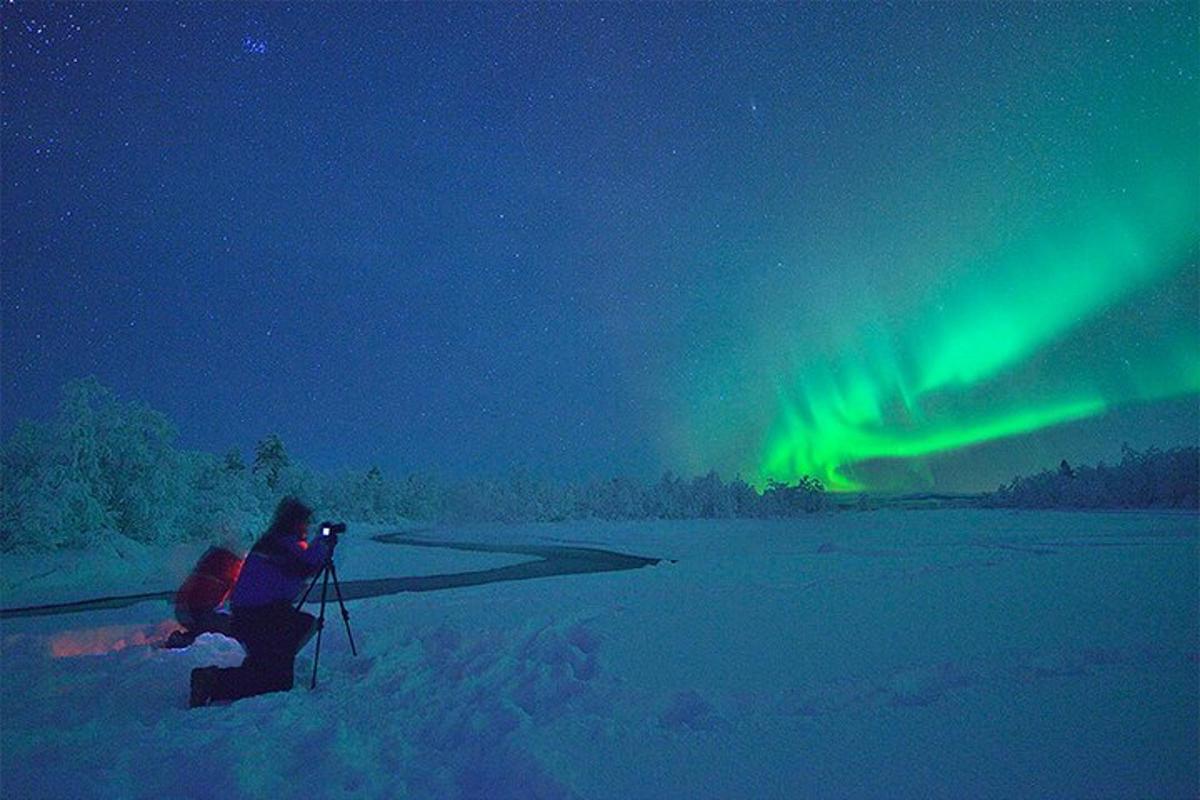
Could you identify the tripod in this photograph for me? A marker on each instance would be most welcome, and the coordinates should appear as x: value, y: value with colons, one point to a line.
x: 327, y: 571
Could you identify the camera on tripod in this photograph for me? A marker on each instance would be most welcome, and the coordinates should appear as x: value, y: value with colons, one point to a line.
x: 323, y: 576
x: 332, y: 528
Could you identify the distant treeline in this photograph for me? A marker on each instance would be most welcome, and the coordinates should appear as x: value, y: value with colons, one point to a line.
x: 1150, y: 479
x: 105, y: 470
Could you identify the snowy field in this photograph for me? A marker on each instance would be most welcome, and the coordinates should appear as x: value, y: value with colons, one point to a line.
x: 891, y: 654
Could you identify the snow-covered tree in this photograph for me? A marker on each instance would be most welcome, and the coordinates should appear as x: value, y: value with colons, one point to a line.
x: 102, y: 468
x: 234, y: 462
x: 222, y: 505
x: 1150, y: 479
x: 270, y: 459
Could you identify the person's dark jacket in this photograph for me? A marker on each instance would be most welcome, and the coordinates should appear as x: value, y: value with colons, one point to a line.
x: 276, y: 569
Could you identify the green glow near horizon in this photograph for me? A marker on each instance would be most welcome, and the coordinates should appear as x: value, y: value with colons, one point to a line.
x: 944, y: 381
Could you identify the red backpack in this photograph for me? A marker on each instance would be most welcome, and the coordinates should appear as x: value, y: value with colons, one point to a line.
x: 207, y: 587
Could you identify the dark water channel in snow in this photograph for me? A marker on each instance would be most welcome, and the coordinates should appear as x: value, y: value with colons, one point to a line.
x: 548, y: 561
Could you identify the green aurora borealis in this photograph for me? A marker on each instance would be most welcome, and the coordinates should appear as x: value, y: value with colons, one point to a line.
x: 1004, y: 244
x: 876, y: 405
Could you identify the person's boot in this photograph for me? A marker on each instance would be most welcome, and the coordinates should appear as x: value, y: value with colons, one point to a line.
x: 203, y: 681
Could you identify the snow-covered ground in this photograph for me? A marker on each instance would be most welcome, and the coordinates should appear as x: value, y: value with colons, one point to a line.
x: 885, y: 654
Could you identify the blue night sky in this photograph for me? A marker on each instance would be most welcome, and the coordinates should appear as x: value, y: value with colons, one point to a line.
x: 602, y: 239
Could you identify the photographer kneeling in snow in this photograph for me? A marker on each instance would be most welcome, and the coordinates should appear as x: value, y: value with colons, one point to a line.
x: 264, y: 621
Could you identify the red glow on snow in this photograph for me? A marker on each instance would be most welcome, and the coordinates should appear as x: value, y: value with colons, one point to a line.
x: 107, y: 639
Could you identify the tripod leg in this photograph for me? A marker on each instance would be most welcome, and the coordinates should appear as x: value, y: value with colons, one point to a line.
x: 320, y: 625
x: 337, y: 588
x: 304, y: 597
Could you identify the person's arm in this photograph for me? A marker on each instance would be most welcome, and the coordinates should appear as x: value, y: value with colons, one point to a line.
x: 316, y: 553
x: 293, y: 558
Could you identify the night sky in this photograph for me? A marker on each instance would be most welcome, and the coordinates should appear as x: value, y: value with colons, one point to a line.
x: 893, y: 246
